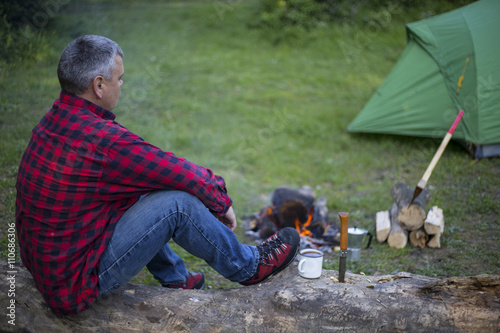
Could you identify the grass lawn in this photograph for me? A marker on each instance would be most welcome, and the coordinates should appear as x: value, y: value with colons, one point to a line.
x: 200, y: 83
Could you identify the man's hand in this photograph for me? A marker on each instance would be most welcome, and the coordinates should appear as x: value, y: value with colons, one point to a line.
x: 229, y: 219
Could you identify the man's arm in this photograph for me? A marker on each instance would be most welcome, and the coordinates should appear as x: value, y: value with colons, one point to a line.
x: 136, y: 167
x: 229, y: 219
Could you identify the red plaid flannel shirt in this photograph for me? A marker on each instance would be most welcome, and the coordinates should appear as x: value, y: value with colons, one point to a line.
x: 80, y: 172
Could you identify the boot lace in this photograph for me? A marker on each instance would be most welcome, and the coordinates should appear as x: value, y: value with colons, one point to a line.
x: 271, y: 248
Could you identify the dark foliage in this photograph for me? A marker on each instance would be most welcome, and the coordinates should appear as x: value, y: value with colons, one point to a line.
x: 23, y: 24
x: 282, y: 19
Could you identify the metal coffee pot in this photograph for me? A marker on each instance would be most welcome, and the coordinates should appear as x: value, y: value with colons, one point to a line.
x: 355, y: 243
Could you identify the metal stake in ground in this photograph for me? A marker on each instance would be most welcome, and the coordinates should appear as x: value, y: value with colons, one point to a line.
x: 344, y: 226
x: 421, y: 184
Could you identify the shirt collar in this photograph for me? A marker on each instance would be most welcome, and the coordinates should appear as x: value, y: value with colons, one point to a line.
x: 71, y: 99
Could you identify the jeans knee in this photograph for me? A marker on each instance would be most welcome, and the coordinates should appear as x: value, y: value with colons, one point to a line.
x: 184, y: 201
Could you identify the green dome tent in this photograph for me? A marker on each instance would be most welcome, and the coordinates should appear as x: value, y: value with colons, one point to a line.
x: 451, y: 63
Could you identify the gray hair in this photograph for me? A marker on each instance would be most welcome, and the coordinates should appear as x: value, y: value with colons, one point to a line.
x: 85, y: 58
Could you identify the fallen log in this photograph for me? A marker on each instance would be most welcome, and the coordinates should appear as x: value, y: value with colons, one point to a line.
x: 284, y: 303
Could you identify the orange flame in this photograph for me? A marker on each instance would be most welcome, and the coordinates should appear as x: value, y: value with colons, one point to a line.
x: 302, y: 228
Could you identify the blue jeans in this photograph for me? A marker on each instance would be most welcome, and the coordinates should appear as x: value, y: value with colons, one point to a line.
x: 141, y: 239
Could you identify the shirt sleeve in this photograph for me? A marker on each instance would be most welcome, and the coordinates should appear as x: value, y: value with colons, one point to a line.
x: 135, y: 167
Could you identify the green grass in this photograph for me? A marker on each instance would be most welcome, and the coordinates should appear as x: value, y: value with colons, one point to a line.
x: 200, y: 83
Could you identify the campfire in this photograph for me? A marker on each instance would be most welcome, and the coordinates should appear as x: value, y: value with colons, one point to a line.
x: 299, y: 209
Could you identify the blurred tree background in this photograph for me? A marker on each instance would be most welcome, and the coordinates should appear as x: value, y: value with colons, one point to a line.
x: 285, y: 19
x: 24, y: 24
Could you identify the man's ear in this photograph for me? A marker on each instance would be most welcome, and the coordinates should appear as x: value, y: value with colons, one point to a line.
x: 98, y: 86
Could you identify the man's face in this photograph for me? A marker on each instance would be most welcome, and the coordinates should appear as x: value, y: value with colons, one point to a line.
x: 112, y: 87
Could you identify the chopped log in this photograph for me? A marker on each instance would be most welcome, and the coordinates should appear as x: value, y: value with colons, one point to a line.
x: 435, y: 241
x: 285, y: 303
x: 382, y: 225
x: 402, y: 195
x: 411, y: 217
x: 434, y: 226
x: 434, y: 223
x: 419, y: 237
x: 398, y: 237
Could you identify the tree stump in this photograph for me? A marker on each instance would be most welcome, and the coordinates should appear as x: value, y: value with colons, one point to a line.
x: 284, y: 303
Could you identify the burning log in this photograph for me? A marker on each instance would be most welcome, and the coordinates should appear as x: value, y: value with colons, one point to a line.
x: 299, y: 209
x: 283, y: 194
x: 295, y: 208
x: 295, y: 214
x: 266, y: 223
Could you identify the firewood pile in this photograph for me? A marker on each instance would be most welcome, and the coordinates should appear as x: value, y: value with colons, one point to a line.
x: 299, y: 209
x: 413, y: 222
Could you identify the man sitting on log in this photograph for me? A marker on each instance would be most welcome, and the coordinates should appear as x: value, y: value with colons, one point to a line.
x: 96, y: 203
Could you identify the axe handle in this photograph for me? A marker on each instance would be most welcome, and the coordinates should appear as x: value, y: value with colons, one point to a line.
x: 440, y: 151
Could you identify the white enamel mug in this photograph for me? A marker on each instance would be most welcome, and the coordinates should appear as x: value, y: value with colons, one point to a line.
x: 310, y: 263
